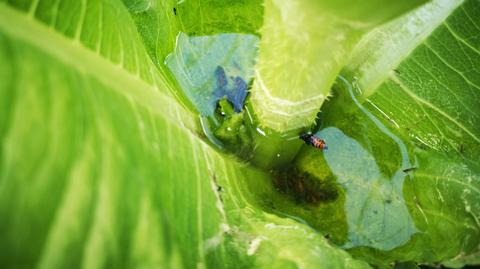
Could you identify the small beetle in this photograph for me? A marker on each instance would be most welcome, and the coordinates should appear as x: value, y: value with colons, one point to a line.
x: 313, y: 140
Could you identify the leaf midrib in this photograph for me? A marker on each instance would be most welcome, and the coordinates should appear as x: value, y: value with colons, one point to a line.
x: 75, y: 54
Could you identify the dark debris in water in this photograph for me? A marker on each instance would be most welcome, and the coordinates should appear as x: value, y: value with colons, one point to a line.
x: 304, y: 188
x: 219, y: 188
x: 410, y: 169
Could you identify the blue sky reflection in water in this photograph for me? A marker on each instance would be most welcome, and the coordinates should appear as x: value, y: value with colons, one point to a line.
x: 376, y: 212
x: 209, y: 68
x: 377, y: 215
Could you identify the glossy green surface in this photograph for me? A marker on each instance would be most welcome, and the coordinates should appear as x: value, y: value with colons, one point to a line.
x: 105, y: 164
x: 102, y: 168
x: 303, y: 47
x: 195, y: 60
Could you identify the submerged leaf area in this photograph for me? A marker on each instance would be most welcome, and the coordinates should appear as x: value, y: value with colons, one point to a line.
x: 130, y: 135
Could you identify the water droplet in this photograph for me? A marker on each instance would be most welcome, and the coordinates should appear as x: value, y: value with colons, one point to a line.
x: 261, y: 131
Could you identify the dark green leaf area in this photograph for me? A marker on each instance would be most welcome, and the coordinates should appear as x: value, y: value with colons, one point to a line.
x: 224, y: 109
x: 406, y: 265
x: 231, y: 129
x: 431, y: 104
x: 220, y: 16
x: 157, y: 25
x: 402, y: 201
x: 243, y: 137
x: 434, y: 93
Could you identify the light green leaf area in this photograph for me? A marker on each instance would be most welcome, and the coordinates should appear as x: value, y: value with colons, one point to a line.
x: 297, y: 39
x: 433, y: 94
x: 304, y: 46
x: 367, y: 12
x: 101, y: 168
x: 383, y: 48
x: 157, y: 26
x: 432, y: 98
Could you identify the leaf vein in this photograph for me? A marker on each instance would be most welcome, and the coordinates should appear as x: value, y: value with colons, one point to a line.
x: 433, y: 107
x: 450, y: 66
x: 459, y: 38
x: 81, y: 19
x: 470, y: 18
x: 100, y: 27
x: 445, y: 86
